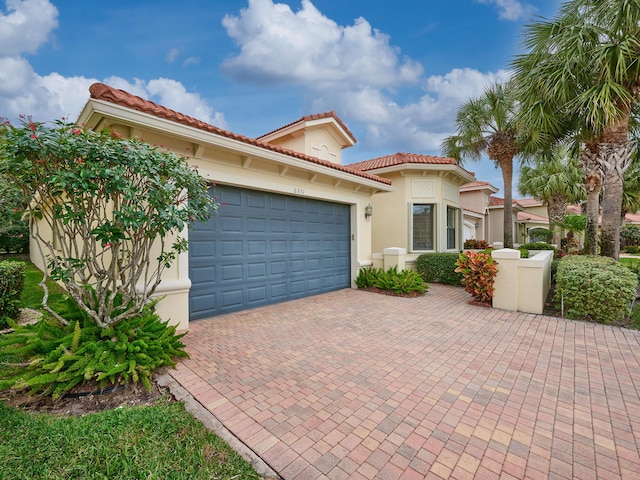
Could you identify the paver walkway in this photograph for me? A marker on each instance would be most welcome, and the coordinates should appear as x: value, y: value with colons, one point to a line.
x: 359, y: 385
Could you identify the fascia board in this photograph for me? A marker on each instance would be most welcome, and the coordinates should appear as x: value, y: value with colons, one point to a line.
x: 146, y: 120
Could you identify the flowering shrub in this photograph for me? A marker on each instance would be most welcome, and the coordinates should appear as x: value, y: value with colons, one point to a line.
x: 474, y: 244
x: 110, y: 202
x: 478, y: 271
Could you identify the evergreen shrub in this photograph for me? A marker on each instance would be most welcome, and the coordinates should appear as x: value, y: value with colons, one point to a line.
x: 596, y: 288
x: 439, y: 268
x: 11, y: 284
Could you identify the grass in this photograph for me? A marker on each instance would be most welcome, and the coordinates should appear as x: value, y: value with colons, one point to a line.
x: 631, y: 262
x: 155, y: 442
x: 159, y: 442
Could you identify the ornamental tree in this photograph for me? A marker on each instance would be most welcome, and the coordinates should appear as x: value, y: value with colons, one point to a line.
x: 106, y: 212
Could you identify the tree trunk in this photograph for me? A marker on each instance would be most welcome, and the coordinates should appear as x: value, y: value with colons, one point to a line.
x: 506, y: 165
x: 593, y: 185
x: 615, y: 159
x: 556, y: 211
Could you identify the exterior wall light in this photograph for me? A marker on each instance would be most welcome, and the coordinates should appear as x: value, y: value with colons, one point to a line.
x: 368, y: 212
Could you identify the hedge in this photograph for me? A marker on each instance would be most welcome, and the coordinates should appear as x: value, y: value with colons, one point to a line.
x: 596, y: 288
x: 14, y: 239
x: 11, y: 284
x: 439, y: 268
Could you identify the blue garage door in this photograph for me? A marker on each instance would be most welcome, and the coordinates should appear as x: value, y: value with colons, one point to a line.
x: 262, y: 248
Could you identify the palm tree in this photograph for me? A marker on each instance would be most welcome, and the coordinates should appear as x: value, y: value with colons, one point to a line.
x: 585, y: 64
x: 487, y: 125
x: 556, y: 180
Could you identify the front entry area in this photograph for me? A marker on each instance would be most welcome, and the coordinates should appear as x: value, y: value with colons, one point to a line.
x: 261, y: 248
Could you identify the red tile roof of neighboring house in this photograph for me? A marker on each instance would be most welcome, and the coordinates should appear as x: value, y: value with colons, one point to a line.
x: 530, y: 217
x: 401, y: 159
x: 529, y: 202
x: 632, y: 217
x: 477, y: 186
x: 521, y: 202
x: 100, y: 91
x: 316, y: 116
x: 575, y: 209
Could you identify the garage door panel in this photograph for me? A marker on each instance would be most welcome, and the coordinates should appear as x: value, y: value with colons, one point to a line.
x: 263, y: 248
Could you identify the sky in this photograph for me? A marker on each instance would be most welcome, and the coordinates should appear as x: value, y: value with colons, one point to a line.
x: 394, y: 72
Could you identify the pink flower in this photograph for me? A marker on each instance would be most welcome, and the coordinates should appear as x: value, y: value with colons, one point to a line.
x: 34, y: 136
x: 76, y: 131
x: 79, y: 160
x: 32, y: 126
x: 106, y: 245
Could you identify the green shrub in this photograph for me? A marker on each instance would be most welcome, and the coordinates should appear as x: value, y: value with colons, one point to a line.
x: 524, y: 253
x: 554, y: 269
x: 57, y: 358
x: 11, y: 284
x: 405, y: 282
x: 478, y: 270
x: 537, y: 246
x: 633, y: 249
x: 439, y: 268
x: 540, y: 235
x: 629, y: 236
x: 596, y: 288
x: 473, y: 244
x: 14, y: 239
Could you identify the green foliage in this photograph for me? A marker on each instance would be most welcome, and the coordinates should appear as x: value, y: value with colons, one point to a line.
x: 596, y: 288
x: 630, y: 236
x: 540, y: 234
x: 537, y: 246
x: 405, y: 282
x: 478, y: 270
x: 439, y: 268
x: 524, y: 252
x: 14, y: 239
x: 11, y: 285
x: 110, y: 202
x: 162, y: 441
x: 473, y: 244
x: 58, y: 358
x: 632, y: 249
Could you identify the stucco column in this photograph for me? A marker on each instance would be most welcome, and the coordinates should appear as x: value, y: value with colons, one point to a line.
x: 505, y: 284
x: 394, y: 257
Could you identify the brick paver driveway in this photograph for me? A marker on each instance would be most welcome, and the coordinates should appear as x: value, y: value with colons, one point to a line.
x: 353, y: 384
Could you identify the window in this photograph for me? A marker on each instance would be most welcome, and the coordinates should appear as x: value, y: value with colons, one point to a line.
x: 423, y: 219
x: 452, y: 227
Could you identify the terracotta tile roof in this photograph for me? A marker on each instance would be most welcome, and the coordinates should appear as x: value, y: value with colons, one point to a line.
x: 100, y: 91
x: 529, y: 202
x: 632, y: 218
x: 316, y: 116
x: 400, y: 159
x: 530, y: 217
x: 477, y: 186
x: 521, y: 202
x: 575, y: 209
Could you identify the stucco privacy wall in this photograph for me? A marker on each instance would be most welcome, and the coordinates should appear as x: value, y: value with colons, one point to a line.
x: 522, y: 284
x: 230, y: 159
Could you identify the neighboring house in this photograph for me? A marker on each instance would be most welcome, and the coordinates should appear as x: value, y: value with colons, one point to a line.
x: 474, y: 198
x: 486, y: 212
x: 423, y: 213
x: 292, y: 218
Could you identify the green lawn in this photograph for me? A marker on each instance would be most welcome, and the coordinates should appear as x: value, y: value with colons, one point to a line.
x: 155, y: 442
x: 159, y: 442
x: 631, y: 262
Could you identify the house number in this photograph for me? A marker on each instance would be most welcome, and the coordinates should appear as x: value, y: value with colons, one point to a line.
x: 298, y: 190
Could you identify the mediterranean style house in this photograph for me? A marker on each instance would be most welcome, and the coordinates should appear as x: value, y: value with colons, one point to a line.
x: 291, y: 220
x: 424, y: 212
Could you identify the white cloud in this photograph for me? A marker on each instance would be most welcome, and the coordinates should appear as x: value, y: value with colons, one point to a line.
x: 26, y: 25
x: 172, y: 54
x: 308, y: 48
x: 191, y: 61
x: 511, y: 9
x: 25, y: 92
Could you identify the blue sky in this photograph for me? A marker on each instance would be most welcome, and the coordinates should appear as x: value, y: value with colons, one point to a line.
x: 395, y: 72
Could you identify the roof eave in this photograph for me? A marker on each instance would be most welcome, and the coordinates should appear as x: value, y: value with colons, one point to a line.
x: 96, y: 110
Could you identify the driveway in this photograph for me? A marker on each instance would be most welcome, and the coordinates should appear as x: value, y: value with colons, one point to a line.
x: 352, y: 384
